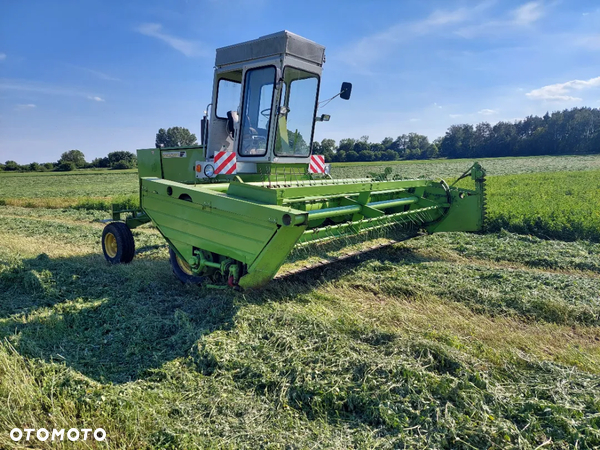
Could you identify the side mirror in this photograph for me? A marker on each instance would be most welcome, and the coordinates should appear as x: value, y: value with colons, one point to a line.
x: 346, y: 90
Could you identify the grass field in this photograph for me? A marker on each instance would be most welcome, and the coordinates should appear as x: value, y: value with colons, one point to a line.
x: 444, y: 341
x: 550, y: 197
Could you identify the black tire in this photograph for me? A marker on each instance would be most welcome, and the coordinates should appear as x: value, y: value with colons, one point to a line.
x: 118, y: 245
x: 180, y: 272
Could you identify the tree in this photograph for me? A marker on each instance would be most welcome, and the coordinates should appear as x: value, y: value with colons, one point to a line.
x: 458, y: 141
x: 101, y: 162
x: 122, y: 159
x: 366, y: 155
x: 11, y: 165
x: 316, y: 148
x: 329, y: 156
x: 346, y: 145
x: 432, y: 151
x: 389, y: 155
x: 122, y: 165
x: 328, y: 145
x: 75, y: 156
x: 361, y: 146
x: 417, y: 143
x: 399, y: 145
x: 161, y: 138
x: 175, y: 137
x: 504, y: 139
x: 387, y: 142
x: 482, y: 139
x: 340, y: 156
x: 66, y: 166
x: 376, y: 148
x: 351, y: 156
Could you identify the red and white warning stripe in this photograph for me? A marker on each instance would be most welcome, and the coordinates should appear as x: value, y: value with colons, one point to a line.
x: 225, y: 163
x: 317, y: 164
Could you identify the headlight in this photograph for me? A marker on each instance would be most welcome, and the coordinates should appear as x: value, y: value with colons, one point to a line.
x: 209, y: 170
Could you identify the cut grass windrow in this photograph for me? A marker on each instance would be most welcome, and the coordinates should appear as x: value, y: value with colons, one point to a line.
x: 446, y: 341
x: 452, y: 340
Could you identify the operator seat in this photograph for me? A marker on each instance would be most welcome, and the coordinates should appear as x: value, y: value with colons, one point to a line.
x: 231, y: 126
x: 232, y: 121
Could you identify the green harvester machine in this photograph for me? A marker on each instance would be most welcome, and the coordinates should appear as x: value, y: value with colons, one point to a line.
x: 233, y: 208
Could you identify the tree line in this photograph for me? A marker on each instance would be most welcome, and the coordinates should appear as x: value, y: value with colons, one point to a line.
x: 573, y: 131
x: 75, y: 159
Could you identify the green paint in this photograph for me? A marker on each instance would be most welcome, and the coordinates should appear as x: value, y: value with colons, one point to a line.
x: 257, y: 219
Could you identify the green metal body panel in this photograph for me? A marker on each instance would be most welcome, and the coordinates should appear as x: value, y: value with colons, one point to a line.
x: 174, y: 163
x: 256, y: 224
x: 468, y: 207
x: 149, y: 163
x: 224, y: 225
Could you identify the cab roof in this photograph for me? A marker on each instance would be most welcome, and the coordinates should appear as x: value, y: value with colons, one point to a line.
x: 281, y: 43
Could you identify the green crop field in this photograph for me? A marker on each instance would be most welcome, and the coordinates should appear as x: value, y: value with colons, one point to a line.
x: 451, y: 168
x: 546, y: 196
x: 462, y: 341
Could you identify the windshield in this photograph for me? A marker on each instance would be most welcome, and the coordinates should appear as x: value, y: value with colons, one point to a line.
x: 296, y: 113
x: 256, y: 110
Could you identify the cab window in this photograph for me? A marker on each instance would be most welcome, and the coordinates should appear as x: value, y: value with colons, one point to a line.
x: 256, y: 111
x: 296, y: 116
x: 228, y: 96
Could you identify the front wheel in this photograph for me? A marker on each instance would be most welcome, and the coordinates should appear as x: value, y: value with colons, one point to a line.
x: 117, y: 243
x: 182, y: 269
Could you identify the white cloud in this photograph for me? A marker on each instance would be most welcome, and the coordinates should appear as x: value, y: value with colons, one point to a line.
x: 487, y: 112
x: 437, y: 106
x: 96, y: 98
x: 442, y: 17
x: 187, y: 47
x: 375, y: 46
x: 454, y: 116
x: 518, y: 19
x: 96, y: 73
x: 24, y: 107
x: 562, y: 91
x: 414, y: 120
x: 41, y: 88
x: 2, y: 56
x: 592, y: 42
x: 528, y: 13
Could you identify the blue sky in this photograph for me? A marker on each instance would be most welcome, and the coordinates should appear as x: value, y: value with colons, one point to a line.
x: 101, y: 76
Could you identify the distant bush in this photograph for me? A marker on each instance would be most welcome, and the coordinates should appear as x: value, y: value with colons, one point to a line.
x: 122, y: 160
x: 11, y: 166
x: 101, y: 162
x: 66, y: 166
x: 123, y: 165
x: 74, y: 156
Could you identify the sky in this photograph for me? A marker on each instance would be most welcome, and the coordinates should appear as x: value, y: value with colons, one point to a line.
x: 102, y: 76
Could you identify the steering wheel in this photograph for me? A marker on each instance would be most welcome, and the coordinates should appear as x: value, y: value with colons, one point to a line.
x: 265, y: 112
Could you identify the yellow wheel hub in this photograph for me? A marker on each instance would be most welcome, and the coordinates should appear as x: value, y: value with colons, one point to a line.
x: 110, y: 245
x: 183, y: 265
